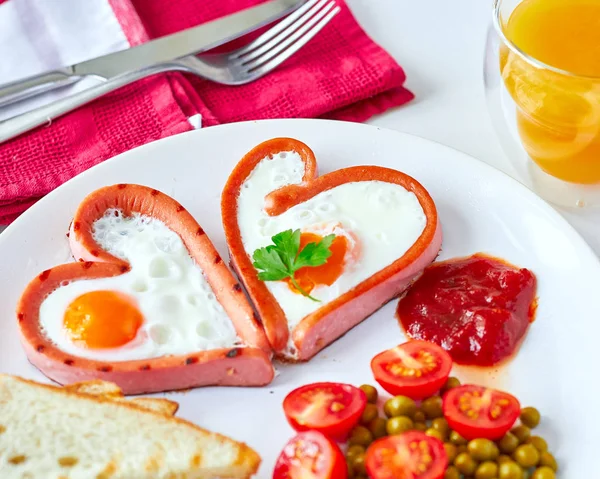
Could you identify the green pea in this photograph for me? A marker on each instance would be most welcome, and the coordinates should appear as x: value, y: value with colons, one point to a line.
x: 370, y: 392
x: 434, y: 433
x: 457, y: 439
x: 360, y: 435
x: 543, y: 473
x: 378, y: 427
x: 400, y: 406
x: 398, y: 425
x: 441, y: 425
x: 530, y: 417
x: 354, y: 451
x: 420, y: 426
x: 508, y: 443
x: 547, y: 460
x: 432, y: 407
x: 538, y: 442
x: 451, y: 383
x: 526, y: 455
x: 465, y: 464
x: 522, y: 433
x: 462, y: 448
x: 486, y: 470
x: 451, y: 451
x: 419, y: 416
x: 510, y: 470
x: 369, y: 414
x: 483, y: 449
x: 502, y: 458
x: 359, y: 465
x: 452, y: 473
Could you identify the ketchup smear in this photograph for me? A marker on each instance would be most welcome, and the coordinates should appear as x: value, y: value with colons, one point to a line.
x: 476, y: 308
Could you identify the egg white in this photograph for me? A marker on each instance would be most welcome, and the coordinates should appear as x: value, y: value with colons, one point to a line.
x: 384, y: 218
x: 181, y: 312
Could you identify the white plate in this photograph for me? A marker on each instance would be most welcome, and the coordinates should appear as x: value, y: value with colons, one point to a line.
x: 481, y: 210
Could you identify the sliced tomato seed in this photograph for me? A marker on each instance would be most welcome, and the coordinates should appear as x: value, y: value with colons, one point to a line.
x: 472, y: 402
x: 423, y: 363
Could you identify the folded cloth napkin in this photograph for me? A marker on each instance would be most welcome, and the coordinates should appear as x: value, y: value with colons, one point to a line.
x: 341, y: 74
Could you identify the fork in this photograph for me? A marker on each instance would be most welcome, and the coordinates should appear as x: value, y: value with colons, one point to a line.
x: 237, y: 67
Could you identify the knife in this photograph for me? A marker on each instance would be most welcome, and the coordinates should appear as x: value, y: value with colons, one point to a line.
x: 187, y: 42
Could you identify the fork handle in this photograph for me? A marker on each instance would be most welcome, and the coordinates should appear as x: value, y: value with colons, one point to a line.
x: 24, y: 122
x: 34, y: 85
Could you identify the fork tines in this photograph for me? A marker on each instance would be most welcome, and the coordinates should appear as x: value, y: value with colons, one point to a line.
x: 282, y: 41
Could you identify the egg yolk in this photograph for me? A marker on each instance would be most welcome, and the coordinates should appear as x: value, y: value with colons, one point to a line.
x: 326, y: 274
x: 102, y: 319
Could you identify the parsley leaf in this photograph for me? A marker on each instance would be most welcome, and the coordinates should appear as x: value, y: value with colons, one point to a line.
x: 288, y: 242
x: 268, y: 259
x: 283, y: 258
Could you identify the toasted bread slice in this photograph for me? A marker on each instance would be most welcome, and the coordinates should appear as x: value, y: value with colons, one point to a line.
x: 96, y: 387
x: 160, y: 406
x: 108, y: 390
x: 50, y: 432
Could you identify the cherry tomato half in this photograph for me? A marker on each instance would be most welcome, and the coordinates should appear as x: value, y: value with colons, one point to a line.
x: 311, y: 455
x: 475, y: 411
x: 417, y: 369
x: 331, y: 408
x: 412, y: 455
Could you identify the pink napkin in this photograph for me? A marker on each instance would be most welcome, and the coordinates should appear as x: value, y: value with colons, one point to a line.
x: 341, y: 74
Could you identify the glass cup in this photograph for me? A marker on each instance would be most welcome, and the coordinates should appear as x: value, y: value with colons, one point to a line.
x: 548, y: 120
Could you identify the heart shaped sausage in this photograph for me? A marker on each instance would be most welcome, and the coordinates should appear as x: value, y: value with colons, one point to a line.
x: 386, y: 231
x: 149, y: 305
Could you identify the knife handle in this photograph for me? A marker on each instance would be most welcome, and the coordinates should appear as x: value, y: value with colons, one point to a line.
x: 44, y: 115
x: 34, y: 85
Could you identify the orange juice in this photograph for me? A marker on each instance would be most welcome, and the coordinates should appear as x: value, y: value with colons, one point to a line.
x: 558, y: 114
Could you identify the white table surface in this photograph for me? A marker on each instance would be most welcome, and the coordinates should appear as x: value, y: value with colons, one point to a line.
x: 440, y: 45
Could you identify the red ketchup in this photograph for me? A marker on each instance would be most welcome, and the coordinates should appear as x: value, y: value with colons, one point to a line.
x: 476, y: 308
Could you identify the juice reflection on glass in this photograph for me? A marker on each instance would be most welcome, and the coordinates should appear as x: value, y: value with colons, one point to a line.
x: 558, y: 93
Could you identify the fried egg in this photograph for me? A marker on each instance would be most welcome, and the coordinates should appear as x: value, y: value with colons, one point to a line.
x: 374, y: 222
x: 163, y: 306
